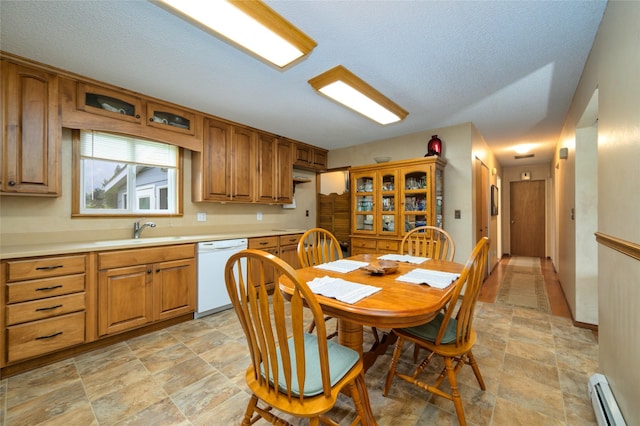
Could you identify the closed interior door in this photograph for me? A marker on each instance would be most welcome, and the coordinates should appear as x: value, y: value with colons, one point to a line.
x: 527, y: 211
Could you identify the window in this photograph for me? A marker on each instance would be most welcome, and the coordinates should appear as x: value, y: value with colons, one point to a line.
x: 125, y: 175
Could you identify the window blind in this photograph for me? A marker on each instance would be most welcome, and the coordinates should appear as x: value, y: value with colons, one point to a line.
x: 109, y: 146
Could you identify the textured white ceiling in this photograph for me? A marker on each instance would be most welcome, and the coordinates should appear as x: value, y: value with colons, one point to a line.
x: 510, y: 67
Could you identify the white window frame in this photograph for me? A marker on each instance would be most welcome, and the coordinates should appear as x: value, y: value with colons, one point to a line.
x: 134, y: 152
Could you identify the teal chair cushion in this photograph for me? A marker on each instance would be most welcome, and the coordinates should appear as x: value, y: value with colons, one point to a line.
x: 341, y: 360
x: 429, y: 331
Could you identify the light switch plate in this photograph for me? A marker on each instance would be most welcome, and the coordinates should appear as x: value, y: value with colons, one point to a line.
x: 201, y: 217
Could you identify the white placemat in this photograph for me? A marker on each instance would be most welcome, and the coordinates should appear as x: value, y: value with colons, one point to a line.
x: 342, y: 265
x: 404, y: 258
x: 344, y: 291
x: 437, y: 279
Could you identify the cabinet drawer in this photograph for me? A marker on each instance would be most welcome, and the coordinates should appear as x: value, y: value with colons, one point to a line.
x: 48, y: 287
x: 18, y: 270
x: 364, y: 243
x: 40, y: 337
x: 263, y: 243
x: 288, y: 240
x: 143, y: 256
x: 388, y: 246
x: 45, y: 308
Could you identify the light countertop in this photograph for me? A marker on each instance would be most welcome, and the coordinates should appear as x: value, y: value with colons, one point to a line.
x: 15, y: 251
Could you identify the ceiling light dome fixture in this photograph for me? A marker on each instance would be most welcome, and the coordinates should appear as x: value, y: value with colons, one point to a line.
x: 523, y: 148
x: 343, y: 86
x: 250, y: 24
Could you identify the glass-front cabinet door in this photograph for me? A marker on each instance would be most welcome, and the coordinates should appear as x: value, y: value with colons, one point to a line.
x: 364, y: 214
x: 416, y: 200
x: 387, y: 195
x: 439, y: 197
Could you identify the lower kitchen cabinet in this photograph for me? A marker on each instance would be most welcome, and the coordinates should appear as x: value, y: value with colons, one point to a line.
x: 44, y: 304
x: 141, y: 286
x: 284, y: 247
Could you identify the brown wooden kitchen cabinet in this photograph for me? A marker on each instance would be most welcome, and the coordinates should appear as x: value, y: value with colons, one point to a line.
x: 283, y: 246
x: 31, y: 132
x: 225, y: 169
x: 44, y: 306
x: 309, y: 157
x: 101, y: 107
x: 275, y: 169
x: 141, y: 286
x: 389, y: 199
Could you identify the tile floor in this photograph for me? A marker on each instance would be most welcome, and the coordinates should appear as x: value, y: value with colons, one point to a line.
x: 535, y: 366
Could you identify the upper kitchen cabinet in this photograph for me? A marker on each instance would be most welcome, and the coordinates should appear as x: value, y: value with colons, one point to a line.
x: 88, y: 105
x: 31, y: 132
x: 275, y: 170
x: 309, y: 157
x: 225, y: 169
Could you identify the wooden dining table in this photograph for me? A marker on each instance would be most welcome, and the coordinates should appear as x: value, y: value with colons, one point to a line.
x: 397, y: 305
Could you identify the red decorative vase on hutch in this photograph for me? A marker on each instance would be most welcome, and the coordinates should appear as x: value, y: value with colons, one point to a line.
x: 434, y: 147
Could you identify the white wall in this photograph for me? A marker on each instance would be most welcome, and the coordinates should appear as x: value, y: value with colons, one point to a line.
x: 613, y: 68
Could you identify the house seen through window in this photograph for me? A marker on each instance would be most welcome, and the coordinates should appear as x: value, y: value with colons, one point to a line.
x: 126, y: 175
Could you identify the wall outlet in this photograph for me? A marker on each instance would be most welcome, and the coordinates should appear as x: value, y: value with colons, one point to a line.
x: 456, y: 214
x: 259, y: 215
x: 201, y: 217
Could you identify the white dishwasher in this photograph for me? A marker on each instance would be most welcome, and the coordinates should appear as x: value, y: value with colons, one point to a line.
x: 212, y: 290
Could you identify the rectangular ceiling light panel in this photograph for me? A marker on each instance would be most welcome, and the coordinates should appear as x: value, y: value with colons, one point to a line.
x: 250, y: 24
x: 343, y: 86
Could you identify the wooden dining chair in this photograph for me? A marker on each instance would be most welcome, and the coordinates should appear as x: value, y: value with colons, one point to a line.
x: 428, y: 241
x: 317, y: 246
x: 291, y: 371
x: 447, y: 335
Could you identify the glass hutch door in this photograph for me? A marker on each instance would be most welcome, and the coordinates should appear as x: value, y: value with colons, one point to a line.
x: 416, y: 199
x: 364, y: 215
x: 387, y: 196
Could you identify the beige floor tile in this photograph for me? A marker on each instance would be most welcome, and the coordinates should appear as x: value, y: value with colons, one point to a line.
x: 167, y: 357
x: 540, y: 372
x: 531, y: 394
x: 532, y: 352
x: 150, y: 343
x: 128, y: 401
x: 176, y: 377
x: 40, y: 381
x: 104, y: 359
x: 509, y: 413
x: 163, y: 412
x: 47, y: 406
x: 103, y: 382
x: 579, y: 411
x: 204, y: 395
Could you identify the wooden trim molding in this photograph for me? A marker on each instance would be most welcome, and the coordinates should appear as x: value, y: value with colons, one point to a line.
x: 618, y: 244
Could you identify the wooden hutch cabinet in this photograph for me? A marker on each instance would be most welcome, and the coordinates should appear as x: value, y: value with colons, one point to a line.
x: 389, y: 199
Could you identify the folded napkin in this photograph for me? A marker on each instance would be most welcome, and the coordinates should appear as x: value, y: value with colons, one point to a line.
x: 342, y: 265
x: 344, y: 291
x: 437, y: 279
x: 404, y: 258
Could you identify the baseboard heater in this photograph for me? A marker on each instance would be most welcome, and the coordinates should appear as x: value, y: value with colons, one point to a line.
x: 604, y: 404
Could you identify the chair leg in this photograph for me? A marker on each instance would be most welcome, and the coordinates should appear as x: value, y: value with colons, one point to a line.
x: 394, y: 363
x: 476, y: 370
x: 253, y: 402
x: 311, y: 327
x: 455, y: 394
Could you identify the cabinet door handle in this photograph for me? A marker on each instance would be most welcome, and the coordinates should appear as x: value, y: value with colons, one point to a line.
x: 263, y: 243
x: 137, y: 115
x: 49, y: 336
x: 48, y: 268
x: 149, y: 271
x: 53, y: 287
x: 12, y: 183
x: 50, y: 308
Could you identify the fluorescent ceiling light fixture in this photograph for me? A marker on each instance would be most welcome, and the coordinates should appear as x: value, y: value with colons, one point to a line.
x: 524, y: 148
x: 343, y: 86
x: 250, y: 24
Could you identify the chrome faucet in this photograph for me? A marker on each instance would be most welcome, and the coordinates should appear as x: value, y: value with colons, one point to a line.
x: 137, y: 228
